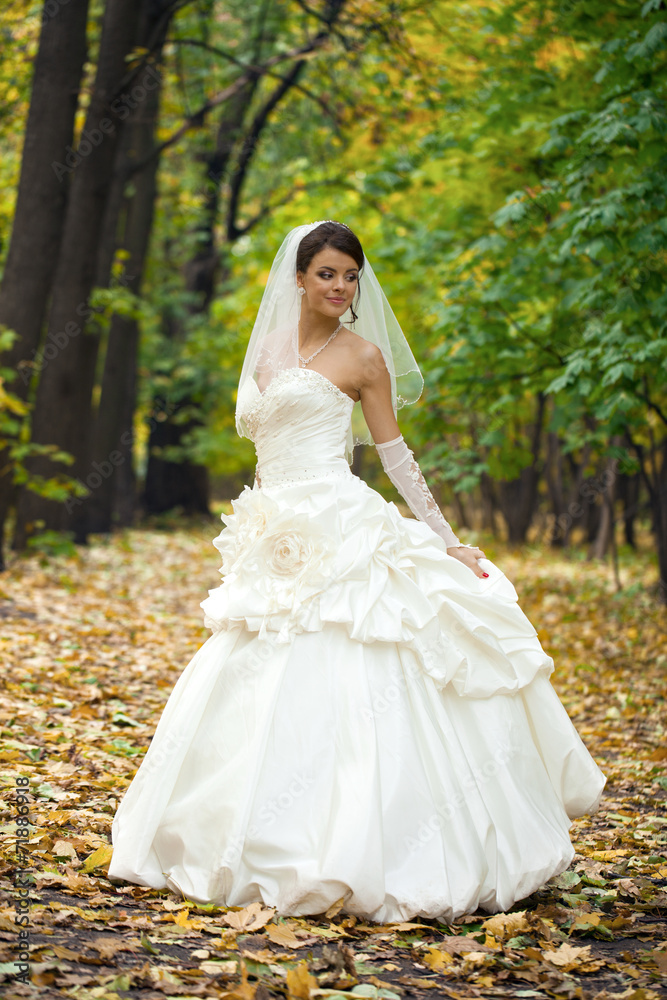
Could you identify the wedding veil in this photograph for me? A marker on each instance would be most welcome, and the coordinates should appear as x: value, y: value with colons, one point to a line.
x: 272, y: 345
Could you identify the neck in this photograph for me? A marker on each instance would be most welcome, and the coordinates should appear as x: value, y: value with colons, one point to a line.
x: 314, y: 329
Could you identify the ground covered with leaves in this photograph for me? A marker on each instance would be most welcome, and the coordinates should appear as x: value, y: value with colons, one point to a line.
x: 91, y: 647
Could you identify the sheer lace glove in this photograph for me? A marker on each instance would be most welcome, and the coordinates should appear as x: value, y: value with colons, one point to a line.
x: 401, y: 466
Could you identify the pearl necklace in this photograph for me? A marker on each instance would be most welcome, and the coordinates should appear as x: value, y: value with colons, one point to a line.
x: 305, y: 361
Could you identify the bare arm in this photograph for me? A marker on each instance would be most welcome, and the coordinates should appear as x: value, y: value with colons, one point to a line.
x: 375, y: 394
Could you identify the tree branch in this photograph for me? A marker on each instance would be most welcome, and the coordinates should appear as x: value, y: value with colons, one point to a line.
x: 269, y: 207
x: 524, y: 333
x: 248, y: 148
x: 196, y: 119
x: 651, y: 405
x: 278, y: 76
x: 334, y: 9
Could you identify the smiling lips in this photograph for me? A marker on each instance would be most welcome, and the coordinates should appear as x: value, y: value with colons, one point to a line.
x: 336, y: 300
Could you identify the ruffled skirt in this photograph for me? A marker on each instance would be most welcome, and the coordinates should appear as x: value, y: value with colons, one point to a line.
x: 369, y: 721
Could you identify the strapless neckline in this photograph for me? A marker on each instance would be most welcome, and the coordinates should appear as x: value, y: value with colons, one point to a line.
x: 277, y: 379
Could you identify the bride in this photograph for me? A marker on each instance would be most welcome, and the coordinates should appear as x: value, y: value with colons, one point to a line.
x: 372, y: 718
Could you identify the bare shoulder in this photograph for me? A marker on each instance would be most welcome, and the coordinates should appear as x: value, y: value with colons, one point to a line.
x: 368, y: 358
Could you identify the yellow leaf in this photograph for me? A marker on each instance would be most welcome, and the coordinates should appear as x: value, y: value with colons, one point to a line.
x: 391, y: 928
x: 437, y: 960
x: 335, y: 908
x: 107, y: 946
x: 69, y: 878
x: 282, y: 935
x: 475, y: 957
x: 380, y: 983
x: 609, y: 855
x: 585, y: 920
x: 227, y: 968
x: 12, y: 403
x: 63, y: 849
x: 251, y: 918
x: 568, y: 957
x: 98, y: 859
x: 61, y: 952
x: 506, y: 925
x: 420, y: 984
x: 300, y: 982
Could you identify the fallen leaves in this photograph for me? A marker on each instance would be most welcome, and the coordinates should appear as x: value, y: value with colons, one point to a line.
x: 251, y: 918
x: 568, y: 957
x: 300, y: 983
x: 95, y: 646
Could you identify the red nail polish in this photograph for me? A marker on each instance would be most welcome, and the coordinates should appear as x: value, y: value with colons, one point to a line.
x: 486, y: 574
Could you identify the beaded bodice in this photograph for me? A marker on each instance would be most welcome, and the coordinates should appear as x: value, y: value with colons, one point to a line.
x: 298, y: 426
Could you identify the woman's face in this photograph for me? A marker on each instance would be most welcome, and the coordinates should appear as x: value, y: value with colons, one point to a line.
x: 330, y: 282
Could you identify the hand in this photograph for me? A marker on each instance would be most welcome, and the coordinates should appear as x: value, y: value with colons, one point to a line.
x: 469, y: 555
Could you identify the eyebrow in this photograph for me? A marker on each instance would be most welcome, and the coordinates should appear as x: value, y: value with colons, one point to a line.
x: 330, y: 268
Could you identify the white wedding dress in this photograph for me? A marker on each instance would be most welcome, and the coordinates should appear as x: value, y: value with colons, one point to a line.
x: 368, y: 720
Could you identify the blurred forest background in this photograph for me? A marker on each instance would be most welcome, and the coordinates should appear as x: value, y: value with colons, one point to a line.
x: 504, y: 164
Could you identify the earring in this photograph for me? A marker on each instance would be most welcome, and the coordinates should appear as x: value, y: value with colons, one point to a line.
x: 301, y: 290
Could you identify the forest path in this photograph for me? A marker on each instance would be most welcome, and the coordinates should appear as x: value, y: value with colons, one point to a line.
x: 91, y: 647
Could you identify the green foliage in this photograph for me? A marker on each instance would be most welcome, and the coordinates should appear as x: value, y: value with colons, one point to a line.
x: 505, y: 168
x: 17, y: 448
x: 50, y: 544
x: 560, y: 289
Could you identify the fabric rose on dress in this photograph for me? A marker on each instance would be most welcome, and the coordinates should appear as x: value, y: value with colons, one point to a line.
x: 252, y: 514
x: 274, y: 561
x: 292, y: 547
x: 291, y: 554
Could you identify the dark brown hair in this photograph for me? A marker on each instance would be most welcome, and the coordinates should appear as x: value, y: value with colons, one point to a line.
x: 331, y: 234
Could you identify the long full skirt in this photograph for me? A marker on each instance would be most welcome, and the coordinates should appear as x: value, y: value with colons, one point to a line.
x: 369, y: 721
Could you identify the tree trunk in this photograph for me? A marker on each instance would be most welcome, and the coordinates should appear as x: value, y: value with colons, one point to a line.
x: 660, y: 520
x: 41, y: 202
x: 236, y: 143
x: 600, y: 543
x: 553, y: 470
x: 113, y: 501
x: 517, y: 499
x: 629, y: 493
x: 653, y: 471
x: 592, y: 510
x: 171, y: 485
x: 186, y: 485
x: 489, y: 504
x: 607, y: 489
x: 518, y: 496
x: 64, y: 397
x: 462, y: 520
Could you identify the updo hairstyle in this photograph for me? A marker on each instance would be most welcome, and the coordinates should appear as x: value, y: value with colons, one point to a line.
x: 338, y: 236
